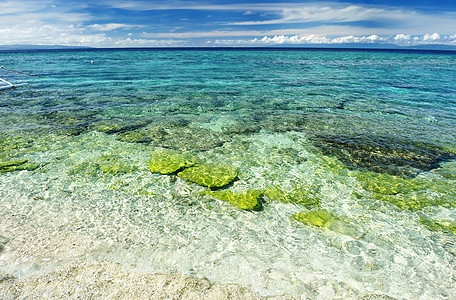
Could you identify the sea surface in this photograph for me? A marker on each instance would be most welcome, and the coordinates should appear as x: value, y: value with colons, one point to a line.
x: 351, y: 156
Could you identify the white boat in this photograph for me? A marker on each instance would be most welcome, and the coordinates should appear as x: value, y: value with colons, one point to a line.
x: 9, y: 85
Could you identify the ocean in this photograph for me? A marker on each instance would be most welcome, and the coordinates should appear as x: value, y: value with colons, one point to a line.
x: 308, y: 173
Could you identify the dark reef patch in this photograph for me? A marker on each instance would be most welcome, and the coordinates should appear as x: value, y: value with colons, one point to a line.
x: 382, y: 154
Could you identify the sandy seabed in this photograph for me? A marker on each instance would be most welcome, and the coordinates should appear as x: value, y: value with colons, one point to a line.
x: 60, y: 266
x: 37, y: 265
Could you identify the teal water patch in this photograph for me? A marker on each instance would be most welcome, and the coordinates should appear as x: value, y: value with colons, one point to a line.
x: 314, y: 173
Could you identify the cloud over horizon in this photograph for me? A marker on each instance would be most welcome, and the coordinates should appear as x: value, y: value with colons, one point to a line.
x: 141, y: 23
x: 399, y: 39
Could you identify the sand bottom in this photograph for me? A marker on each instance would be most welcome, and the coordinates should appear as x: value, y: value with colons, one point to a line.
x: 37, y: 265
x: 57, y: 266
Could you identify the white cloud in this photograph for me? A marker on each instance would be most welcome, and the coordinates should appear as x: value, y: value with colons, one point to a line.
x: 143, y: 5
x: 431, y: 37
x: 12, y: 7
x: 319, y: 13
x: 112, y: 26
x: 402, y: 37
x: 203, y: 34
x: 44, y: 22
x: 314, y: 39
x: 75, y: 36
x: 51, y: 35
x: 330, y: 13
x: 335, y: 30
x: 149, y: 43
x: 399, y: 39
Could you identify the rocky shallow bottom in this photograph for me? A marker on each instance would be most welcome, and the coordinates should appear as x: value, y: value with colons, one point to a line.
x: 264, y: 215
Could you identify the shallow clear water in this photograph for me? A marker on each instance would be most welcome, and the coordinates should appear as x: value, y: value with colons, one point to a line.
x: 322, y: 121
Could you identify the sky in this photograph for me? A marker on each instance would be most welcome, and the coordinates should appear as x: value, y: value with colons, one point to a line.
x: 211, y: 23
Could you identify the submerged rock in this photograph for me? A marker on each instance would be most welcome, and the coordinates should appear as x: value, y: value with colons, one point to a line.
x: 116, y: 125
x: 143, y: 135
x: 248, y: 200
x: 176, y: 137
x: 170, y: 161
x: 325, y: 219
x: 10, y: 165
x: 408, y: 194
x: 439, y: 225
x: 69, y: 122
x: 12, y: 162
x: 417, y: 200
x: 14, y: 145
x: 108, y: 164
x: 112, y: 164
x: 242, y: 127
x: 3, y: 242
x: 383, y: 154
x: 210, y: 175
x: 300, y: 195
x: 447, y: 170
x: 283, y: 122
x: 72, y: 130
x: 388, y: 184
x: 155, y: 131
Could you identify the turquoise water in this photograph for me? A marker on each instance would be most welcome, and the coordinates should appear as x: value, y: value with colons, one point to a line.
x: 366, y: 136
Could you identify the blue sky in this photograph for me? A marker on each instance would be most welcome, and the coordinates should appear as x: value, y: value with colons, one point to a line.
x: 148, y: 23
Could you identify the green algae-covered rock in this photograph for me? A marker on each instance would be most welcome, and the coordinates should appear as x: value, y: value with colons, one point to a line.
x: 439, y: 225
x: 408, y: 194
x: 210, y: 175
x: 112, y: 164
x: 11, y: 165
x: 388, y: 184
x: 176, y: 137
x: 417, y: 201
x: 12, y: 162
x: 447, y: 170
x: 69, y: 122
x: 15, y: 145
x: 170, y: 161
x: 383, y: 154
x: 84, y: 169
x: 325, y: 219
x: 248, y: 200
x: 108, y: 164
x: 301, y: 195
